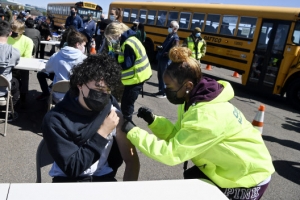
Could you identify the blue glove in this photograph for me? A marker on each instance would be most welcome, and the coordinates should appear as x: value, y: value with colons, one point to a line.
x: 111, y: 53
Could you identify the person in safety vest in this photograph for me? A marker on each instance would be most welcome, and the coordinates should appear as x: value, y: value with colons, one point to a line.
x: 134, y: 61
x: 225, y: 148
x: 196, y: 44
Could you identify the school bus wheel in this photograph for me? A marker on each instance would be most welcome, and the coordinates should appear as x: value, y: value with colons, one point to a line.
x: 293, y: 93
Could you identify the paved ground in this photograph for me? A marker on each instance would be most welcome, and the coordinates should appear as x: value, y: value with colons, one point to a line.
x: 281, y: 134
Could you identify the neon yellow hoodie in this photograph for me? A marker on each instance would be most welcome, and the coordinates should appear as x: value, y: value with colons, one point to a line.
x: 217, y: 138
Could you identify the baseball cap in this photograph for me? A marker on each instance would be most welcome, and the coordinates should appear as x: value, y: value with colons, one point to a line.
x: 136, y: 21
x: 197, y: 30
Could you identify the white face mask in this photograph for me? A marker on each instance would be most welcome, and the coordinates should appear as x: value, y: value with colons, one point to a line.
x: 82, y: 48
x: 113, y: 41
x: 170, y: 30
x: 112, y: 18
x: 198, y: 35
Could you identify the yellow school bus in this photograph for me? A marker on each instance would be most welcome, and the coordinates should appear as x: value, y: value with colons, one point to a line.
x: 61, y: 11
x: 261, y: 43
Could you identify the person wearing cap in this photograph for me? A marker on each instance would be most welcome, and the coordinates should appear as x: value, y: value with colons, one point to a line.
x: 196, y: 44
x: 139, y: 29
x: 89, y: 31
x: 25, y: 45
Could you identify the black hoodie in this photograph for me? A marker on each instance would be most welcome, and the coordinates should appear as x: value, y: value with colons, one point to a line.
x: 70, y: 132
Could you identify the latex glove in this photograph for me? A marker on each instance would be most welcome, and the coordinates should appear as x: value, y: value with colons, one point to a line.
x: 127, y: 126
x: 146, y: 114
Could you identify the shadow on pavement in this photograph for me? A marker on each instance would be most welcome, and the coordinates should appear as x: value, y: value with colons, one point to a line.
x: 289, y: 170
x: 287, y: 143
x: 31, y: 115
x: 292, y: 124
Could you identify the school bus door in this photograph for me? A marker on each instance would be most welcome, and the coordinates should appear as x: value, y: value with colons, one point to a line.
x: 268, y: 54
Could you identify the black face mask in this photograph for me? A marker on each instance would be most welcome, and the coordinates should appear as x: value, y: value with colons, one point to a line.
x: 72, y: 13
x: 96, y: 100
x: 14, y: 34
x: 172, y: 96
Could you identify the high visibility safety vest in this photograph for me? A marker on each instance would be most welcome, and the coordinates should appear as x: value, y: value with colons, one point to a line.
x: 191, y: 46
x: 141, y: 70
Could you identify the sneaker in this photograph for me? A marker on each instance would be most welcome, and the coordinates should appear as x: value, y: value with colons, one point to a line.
x: 11, y: 118
x: 160, y: 95
x: 42, y: 97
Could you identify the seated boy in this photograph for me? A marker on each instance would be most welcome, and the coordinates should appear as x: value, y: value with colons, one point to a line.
x: 9, y: 58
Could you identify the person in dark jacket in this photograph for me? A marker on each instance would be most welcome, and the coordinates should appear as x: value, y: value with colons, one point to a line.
x: 74, y: 20
x: 45, y: 35
x: 83, y: 131
x: 33, y: 34
x: 89, y: 31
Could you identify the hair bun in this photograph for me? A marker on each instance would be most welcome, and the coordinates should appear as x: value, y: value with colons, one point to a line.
x: 179, y: 54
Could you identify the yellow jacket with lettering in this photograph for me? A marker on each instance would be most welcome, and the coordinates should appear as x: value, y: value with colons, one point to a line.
x: 216, y: 136
x: 141, y: 70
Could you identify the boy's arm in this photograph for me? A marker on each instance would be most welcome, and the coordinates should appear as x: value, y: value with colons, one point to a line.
x: 128, y: 153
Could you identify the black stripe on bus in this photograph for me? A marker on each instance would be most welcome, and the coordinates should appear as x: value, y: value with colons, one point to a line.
x: 227, y: 58
x: 228, y: 47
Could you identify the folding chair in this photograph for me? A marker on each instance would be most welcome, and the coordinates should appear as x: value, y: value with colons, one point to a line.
x: 43, y: 158
x: 9, y: 102
x: 60, y: 87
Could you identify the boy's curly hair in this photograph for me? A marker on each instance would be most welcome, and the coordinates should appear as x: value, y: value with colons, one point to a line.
x: 96, y: 67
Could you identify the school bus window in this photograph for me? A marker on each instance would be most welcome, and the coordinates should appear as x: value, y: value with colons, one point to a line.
x: 134, y: 15
x: 173, y: 16
x: 296, y: 34
x: 198, y: 20
x: 126, y: 13
x: 151, y: 17
x: 184, y: 20
x: 142, y: 18
x: 246, y: 27
x: 161, y: 18
x: 228, y: 24
x: 212, y: 23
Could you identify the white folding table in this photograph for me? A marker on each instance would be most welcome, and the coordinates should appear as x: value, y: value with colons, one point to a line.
x: 31, y: 64
x: 132, y: 190
x: 4, y: 189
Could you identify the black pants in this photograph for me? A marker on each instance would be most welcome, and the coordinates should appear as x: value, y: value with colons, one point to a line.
x: 42, y: 78
x: 42, y: 51
x: 23, y: 77
x: 105, y: 178
x: 98, y: 41
x: 130, y: 94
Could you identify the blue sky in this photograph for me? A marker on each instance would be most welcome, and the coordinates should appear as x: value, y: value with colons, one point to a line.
x: 105, y: 3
